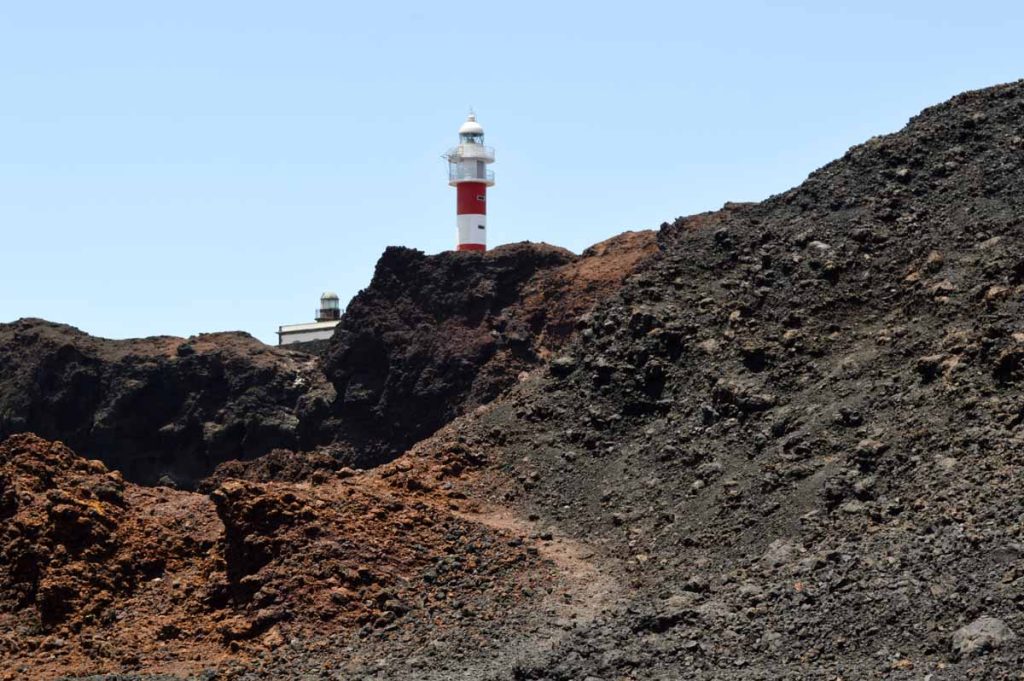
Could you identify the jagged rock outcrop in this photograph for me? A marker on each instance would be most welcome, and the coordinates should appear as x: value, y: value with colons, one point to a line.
x: 160, y: 406
x: 353, y: 551
x: 61, y: 550
x: 410, y: 346
x: 432, y: 337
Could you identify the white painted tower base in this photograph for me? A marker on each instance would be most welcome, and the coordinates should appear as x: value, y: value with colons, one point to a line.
x: 472, y: 231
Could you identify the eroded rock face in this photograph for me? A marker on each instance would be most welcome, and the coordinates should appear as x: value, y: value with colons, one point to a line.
x: 435, y: 336
x: 410, y: 346
x: 361, y: 549
x: 256, y: 521
x: 157, y: 406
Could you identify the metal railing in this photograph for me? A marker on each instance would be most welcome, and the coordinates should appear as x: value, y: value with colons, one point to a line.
x: 457, y: 174
x: 471, y: 151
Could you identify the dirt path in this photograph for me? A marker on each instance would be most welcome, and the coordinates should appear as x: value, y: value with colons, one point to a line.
x: 586, y: 588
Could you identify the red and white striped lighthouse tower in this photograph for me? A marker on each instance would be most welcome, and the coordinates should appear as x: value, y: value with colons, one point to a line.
x: 468, y: 173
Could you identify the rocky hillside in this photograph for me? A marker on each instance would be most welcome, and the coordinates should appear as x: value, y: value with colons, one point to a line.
x: 793, y: 439
x: 97, y: 574
x: 783, y: 444
x: 798, y: 431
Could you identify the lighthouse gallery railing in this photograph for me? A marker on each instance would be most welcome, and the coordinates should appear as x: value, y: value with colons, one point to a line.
x: 468, y: 152
x: 456, y: 173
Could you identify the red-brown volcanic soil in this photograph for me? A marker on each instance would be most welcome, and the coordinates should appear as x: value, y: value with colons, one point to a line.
x: 101, y: 575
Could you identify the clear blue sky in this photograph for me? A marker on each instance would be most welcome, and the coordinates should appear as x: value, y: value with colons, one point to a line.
x: 198, y: 166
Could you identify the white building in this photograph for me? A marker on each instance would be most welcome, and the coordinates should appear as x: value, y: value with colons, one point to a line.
x: 327, y: 317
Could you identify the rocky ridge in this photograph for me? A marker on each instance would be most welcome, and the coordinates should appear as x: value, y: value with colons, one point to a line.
x: 161, y: 406
x: 431, y: 337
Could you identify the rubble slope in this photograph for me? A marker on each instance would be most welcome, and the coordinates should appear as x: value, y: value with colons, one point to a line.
x: 102, y: 576
x: 800, y: 426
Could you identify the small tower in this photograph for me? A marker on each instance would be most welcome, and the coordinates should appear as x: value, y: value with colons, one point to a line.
x: 330, y: 307
x: 468, y: 173
x: 327, y: 318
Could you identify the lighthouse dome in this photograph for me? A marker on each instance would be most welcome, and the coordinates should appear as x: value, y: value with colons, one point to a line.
x: 471, y: 127
x: 330, y: 307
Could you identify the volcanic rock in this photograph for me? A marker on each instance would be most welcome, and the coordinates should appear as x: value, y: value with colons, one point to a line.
x: 765, y: 321
x: 786, y: 445
x: 99, y: 573
x: 433, y: 337
x: 159, y: 406
x: 981, y: 635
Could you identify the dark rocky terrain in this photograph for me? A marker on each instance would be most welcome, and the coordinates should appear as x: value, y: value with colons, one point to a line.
x: 433, y: 337
x: 429, y: 338
x: 156, y: 407
x: 788, y: 445
x: 802, y: 432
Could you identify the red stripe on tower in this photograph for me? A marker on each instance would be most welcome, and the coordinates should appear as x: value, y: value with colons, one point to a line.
x: 468, y: 173
x: 472, y: 198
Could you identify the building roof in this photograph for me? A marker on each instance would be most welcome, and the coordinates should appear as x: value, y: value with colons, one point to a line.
x: 310, y: 326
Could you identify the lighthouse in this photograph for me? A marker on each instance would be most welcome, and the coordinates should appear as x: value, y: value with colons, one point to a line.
x: 468, y: 173
x: 328, y: 316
